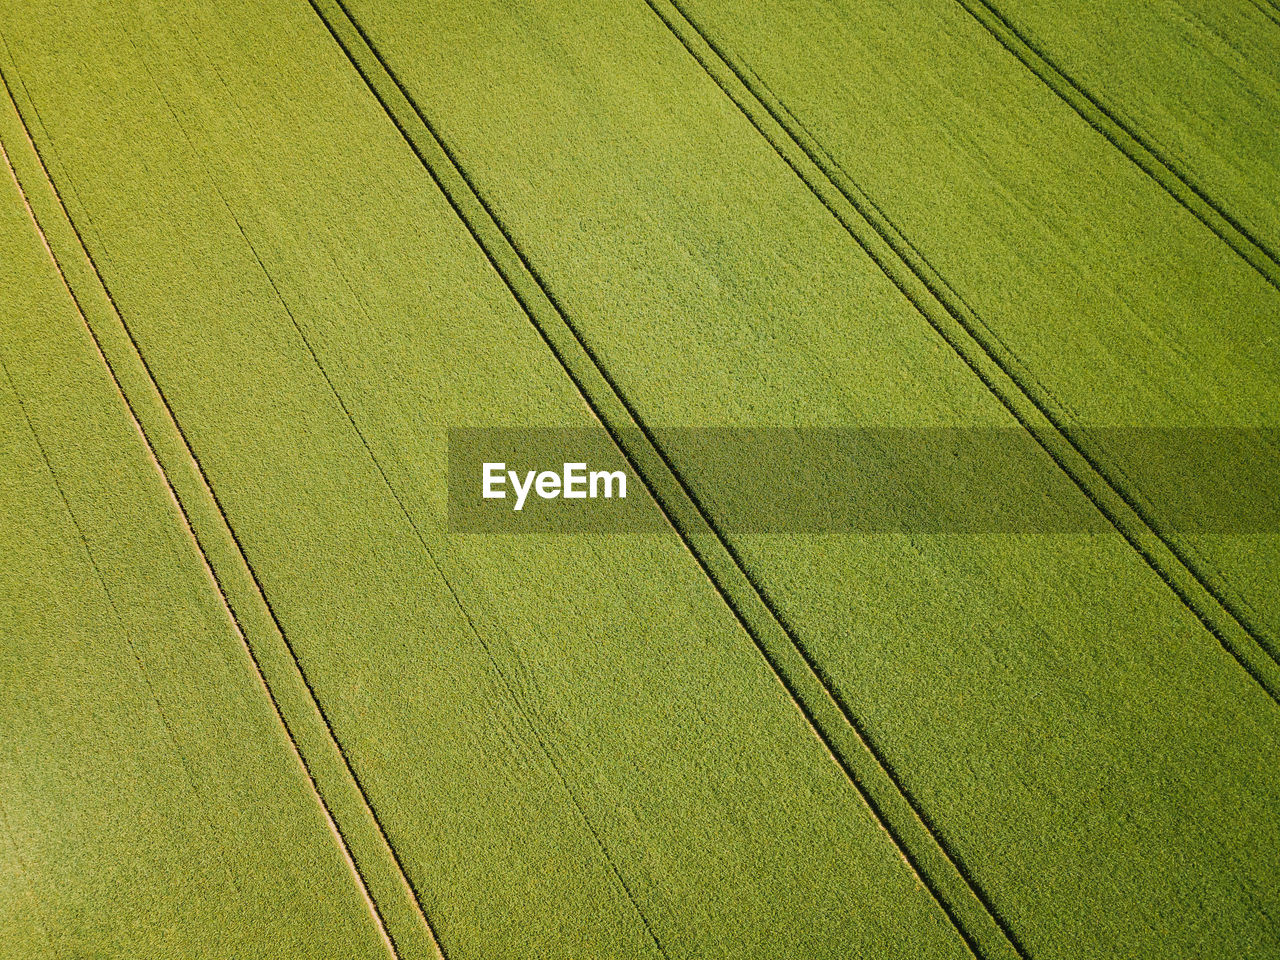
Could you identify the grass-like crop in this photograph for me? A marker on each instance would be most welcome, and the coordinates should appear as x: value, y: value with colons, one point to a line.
x: 151, y: 800
x: 558, y: 737
x: 1098, y: 247
x: 289, y: 245
x: 1191, y: 93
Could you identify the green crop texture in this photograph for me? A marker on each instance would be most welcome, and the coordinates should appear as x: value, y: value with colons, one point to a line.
x: 259, y: 700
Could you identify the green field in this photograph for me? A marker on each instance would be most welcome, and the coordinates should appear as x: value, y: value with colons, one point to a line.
x: 258, y: 698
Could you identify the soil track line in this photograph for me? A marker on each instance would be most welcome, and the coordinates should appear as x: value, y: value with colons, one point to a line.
x: 1148, y: 157
x: 827, y: 715
x: 506, y: 683
x: 493, y: 661
x: 99, y: 577
x: 339, y: 839
x: 1212, y: 603
x: 198, y: 498
x: 1267, y: 10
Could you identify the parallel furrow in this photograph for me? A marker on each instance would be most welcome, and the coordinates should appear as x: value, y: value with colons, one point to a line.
x: 218, y: 546
x: 970, y: 337
x: 1130, y: 141
x: 1268, y: 11
x: 832, y: 721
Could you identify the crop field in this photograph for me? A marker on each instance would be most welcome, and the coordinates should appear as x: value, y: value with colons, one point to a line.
x: 262, y: 697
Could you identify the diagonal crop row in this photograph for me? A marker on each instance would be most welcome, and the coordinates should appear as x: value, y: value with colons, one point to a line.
x: 87, y: 549
x: 1268, y: 10
x: 393, y: 903
x: 400, y: 503
x: 1212, y: 603
x: 1130, y: 141
x: 473, y: 629
x: 811, y: 691
x: 1062, y: 415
